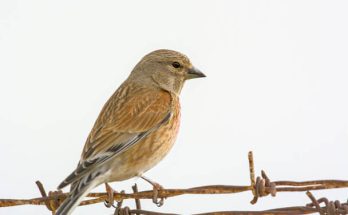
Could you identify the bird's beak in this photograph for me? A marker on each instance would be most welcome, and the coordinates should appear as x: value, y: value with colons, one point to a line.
x: 194, y: 73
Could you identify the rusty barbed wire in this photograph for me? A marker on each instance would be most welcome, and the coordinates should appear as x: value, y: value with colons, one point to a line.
x: 330, y: 208
x: 260, y: 186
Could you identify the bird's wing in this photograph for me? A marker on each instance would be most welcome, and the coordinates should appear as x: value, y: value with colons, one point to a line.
x: 130, y: 115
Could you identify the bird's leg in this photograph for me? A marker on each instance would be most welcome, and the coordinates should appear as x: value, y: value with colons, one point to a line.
x: 156, y: 187
x: 110, y: 200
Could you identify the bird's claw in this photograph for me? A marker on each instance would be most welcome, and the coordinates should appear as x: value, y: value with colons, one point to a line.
x: 109, y: 202
x: 156, y: 188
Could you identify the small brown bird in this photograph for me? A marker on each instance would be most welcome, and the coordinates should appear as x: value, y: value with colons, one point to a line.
x: 136, y: 127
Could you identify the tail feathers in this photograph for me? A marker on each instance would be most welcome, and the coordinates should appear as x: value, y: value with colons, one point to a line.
x: 69, y: 205
x: 80, y: 171
x: 78, y: 191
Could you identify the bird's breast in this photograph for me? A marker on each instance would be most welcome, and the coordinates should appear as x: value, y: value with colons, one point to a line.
x: 150, y: 150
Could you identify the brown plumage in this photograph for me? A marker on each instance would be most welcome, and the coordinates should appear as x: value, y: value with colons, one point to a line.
x: 136, y: 127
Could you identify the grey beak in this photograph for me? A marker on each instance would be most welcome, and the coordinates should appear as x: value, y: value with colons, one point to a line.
x: 194, y: 73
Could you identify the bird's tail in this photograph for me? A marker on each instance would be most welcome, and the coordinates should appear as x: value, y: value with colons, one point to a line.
x: 79, y: 190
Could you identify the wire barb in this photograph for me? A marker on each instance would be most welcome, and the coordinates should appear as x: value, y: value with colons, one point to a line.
x: 53, y: 203
x: 262, y: 186
x: 137, y: 201
x: 331, y: 207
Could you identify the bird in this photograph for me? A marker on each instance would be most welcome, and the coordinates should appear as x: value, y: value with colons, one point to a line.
x: 136, y: 127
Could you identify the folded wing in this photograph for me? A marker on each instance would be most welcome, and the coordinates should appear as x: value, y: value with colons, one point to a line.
x: 130, y: 114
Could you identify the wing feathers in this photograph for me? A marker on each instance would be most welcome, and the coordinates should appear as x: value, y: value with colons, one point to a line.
x: 125, y: 126
x: 90, y: 164
x: 133, y: 114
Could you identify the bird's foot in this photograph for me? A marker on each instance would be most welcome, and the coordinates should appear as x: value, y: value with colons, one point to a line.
x: 109, y: 202
x: 156, y: 188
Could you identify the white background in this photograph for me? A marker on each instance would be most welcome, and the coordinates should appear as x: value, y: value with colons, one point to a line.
x: 277, y: 84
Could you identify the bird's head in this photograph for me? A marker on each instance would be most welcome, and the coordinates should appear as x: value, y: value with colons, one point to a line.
x: 166, y: 69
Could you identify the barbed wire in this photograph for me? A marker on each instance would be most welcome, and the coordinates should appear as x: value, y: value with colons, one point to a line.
x: 259, y: 186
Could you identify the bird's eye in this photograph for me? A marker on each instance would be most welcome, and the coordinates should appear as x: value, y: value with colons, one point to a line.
x: 176, y: 64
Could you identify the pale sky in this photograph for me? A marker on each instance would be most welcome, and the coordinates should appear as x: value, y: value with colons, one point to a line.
x: 276, y: 84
